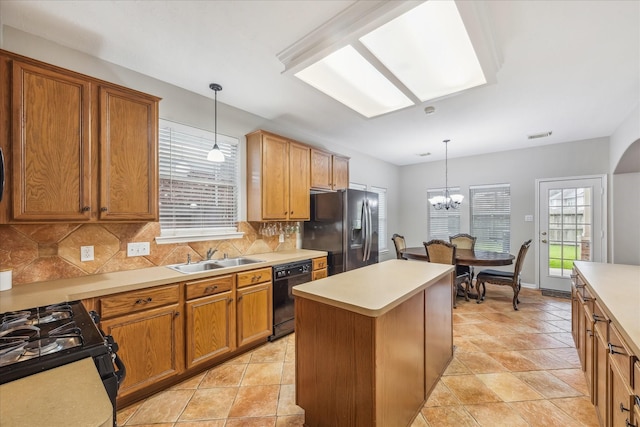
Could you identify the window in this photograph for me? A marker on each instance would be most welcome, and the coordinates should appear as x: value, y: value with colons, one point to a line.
x: 198, y: 198
x: 442, y: 223
x: 382, y: 217
x: 491, y: 216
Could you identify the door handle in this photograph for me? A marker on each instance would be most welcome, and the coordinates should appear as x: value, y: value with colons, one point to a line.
x: 544, y: 233
x: 544, y: 240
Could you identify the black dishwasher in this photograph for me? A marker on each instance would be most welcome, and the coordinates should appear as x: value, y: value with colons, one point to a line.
x: 285, y: 277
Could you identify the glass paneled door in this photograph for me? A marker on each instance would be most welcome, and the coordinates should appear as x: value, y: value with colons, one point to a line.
x: 570, y: 228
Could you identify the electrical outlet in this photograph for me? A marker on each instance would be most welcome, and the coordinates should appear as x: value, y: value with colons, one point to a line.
x: 86, y: 253
x: 137, y: 249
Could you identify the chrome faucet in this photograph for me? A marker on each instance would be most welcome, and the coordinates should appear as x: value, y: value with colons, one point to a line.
x: 188, y: 259
x: 226, y: 255
x: 210, y: 253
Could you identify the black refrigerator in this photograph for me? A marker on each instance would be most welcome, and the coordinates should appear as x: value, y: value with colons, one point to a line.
x: 345, y: 224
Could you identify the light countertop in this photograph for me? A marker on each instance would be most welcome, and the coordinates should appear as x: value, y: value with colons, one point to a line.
x: 617, y: 287
x: 55, y: 291
x: 71, y: 395
x: 375, y: 289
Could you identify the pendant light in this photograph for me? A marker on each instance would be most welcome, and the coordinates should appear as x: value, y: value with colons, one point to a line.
x: 215, y: 154
x: 446, y: 201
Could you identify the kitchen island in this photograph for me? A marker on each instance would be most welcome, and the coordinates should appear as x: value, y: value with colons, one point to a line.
x: 371, y: 343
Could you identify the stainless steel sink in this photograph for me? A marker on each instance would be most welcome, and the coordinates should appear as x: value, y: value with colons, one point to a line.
x: 199, y: 267
x: 234, y: 262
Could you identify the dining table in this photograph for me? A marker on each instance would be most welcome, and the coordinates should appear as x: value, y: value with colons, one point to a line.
x: 470, y: 257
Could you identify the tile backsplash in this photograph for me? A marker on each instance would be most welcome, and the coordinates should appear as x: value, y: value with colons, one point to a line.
x: 40, y: 252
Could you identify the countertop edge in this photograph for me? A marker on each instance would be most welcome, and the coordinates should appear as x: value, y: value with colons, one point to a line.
x: 327, y: 290
x: 97, y: 285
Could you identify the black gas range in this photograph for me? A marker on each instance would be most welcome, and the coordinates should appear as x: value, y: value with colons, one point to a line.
x: 42, y: 338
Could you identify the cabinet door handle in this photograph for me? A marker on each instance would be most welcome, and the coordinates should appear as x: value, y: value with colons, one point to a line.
x: 210, y: 288
x: 86, y: 209
x: 103, y: 209
x: 597, y: 318
x: 177, y: 314
x: 622, y: 408
x: 612, y: 351
x: 628, y: 423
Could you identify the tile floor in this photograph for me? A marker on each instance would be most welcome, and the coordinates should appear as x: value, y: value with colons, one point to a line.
x: 510, y: 368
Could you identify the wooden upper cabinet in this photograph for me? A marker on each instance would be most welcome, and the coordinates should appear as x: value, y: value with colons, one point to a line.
x: 329, y: 172
x: 321, y: 171
x: 299, y: 207
x: 340, y: 173
x: 81, y: 149
x: 277, y: 178
x: 128, y: 156
x: 51, y: 145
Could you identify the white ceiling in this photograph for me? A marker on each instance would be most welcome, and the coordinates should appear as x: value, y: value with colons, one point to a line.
x: 570, y: 67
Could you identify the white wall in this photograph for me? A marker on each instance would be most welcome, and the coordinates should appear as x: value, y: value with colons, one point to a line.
x: 186, y: 107
x: 520, y: 168
x: 626, y: 227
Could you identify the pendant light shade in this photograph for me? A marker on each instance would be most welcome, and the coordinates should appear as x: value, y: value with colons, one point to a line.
x: 446, y: 201
x: 215, y: 154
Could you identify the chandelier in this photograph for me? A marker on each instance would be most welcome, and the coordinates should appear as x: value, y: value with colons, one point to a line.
x: 446, y: 201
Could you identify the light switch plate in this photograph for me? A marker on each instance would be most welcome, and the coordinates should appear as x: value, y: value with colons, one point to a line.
x: 528, y: 218
x: 137, y: 249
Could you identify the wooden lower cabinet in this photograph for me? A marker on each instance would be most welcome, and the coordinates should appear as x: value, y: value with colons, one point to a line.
x: 254, y: 313
x: 319, y: 268
x: 167, y: 333
x: 210, y: 319
x: 150, y: 344
x: 607, y: 359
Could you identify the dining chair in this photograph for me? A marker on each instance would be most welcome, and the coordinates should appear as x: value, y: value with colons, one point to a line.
x: 464, y: 241
x: 400, y: 244
x: 442, y: 252
x: 499, y: 277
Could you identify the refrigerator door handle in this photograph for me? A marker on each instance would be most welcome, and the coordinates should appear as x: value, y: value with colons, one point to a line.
x: 370, y: 229
x: 365, y: 230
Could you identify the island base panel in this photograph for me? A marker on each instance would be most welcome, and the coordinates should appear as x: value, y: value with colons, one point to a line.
x: 355, y: 370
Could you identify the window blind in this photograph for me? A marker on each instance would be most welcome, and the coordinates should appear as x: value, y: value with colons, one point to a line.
x: 491, y: 216
x: 196, y: 195
x: 382, y: 217
x: 442, y: 223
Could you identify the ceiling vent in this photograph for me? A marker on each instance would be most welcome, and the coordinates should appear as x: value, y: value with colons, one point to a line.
x: 540, y: 135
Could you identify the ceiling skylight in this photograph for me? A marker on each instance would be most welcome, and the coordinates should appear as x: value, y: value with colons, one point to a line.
x: 349, y: 78
x: 414, y: 55
x: 429, y: 50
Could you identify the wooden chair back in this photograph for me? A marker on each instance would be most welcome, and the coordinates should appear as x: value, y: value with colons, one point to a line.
x: 520, y: 260
x: 400, y: 244
x: 440, y: 251
x: 463, y: 241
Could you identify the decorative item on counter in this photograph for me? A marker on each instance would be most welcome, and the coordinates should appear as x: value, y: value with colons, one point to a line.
x: 5, y: 279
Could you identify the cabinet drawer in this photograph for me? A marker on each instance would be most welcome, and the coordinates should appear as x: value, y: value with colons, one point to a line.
x: 620, y: 355
x: 601, y: 321
x: 209, y: 286
x: 319, y: 274
x: 319, y: 263
x: 254, y: 277
x: 131, y: 302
